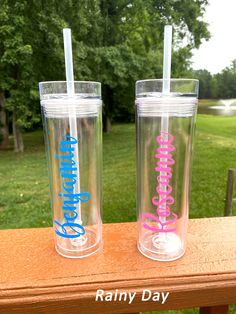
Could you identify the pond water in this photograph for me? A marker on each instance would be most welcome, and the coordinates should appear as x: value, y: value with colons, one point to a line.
x: 223, y: 107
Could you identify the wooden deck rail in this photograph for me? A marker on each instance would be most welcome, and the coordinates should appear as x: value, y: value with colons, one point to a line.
x: 35, y: 279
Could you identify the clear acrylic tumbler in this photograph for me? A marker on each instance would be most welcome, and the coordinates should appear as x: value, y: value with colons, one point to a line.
x: 165, y: 126
x: 73, y: 139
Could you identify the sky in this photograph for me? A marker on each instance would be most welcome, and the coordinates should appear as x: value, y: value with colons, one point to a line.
x: 217, y: 53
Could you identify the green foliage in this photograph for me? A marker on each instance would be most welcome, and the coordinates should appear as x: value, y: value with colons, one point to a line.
x: 16, y: 54
x: 221, y: 85
x: 226, y: 81
x: 22, y: 65
x: 115, y: 42
x: 134, y: 29
x: 205, y: 83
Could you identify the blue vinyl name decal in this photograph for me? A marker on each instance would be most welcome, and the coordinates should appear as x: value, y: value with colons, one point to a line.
x: 71, y: 227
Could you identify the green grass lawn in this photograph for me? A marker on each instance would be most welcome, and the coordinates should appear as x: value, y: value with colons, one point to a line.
x: 24, y: 192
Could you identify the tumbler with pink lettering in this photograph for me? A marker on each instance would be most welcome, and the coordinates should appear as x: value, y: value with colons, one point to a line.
x: 165, y: 127
x: 73, y: 138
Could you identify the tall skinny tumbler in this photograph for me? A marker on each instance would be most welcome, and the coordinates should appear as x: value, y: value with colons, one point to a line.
x: 73, y: 139
x: 165, y: 127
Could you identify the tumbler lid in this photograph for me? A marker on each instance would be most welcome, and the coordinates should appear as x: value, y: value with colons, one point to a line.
x: 178, y: 88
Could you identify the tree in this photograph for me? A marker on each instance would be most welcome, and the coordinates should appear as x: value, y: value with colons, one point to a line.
x: 205, y: 83
x: 25, y: 39
x: 15, y: 67
x: 4, y: 132
x: 132, y: 44
x: 226, y: 82
x: 114, y: 42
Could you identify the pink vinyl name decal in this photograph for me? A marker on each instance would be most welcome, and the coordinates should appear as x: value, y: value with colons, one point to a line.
x: 164, y: 220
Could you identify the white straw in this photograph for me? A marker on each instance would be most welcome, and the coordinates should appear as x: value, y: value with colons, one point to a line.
x: 166, y: 91
x: 72, y: 106
x: 166, y: 72
x: 167, y: 59
x: 68, y: 61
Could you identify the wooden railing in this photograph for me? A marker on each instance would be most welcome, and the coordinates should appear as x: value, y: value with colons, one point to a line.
x: 35, y: 279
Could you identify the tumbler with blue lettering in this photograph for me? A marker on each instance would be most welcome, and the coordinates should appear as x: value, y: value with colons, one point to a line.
x: 73, y: 138
x: 165, y: 126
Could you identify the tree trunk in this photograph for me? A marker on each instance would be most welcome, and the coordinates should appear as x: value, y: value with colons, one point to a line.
x: 4, y: 132
x: 107, y: 124
x: 17, y: 133
x: 108, y: 108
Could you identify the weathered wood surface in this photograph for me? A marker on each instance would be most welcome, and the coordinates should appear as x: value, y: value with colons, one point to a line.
x: 35, y: 279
